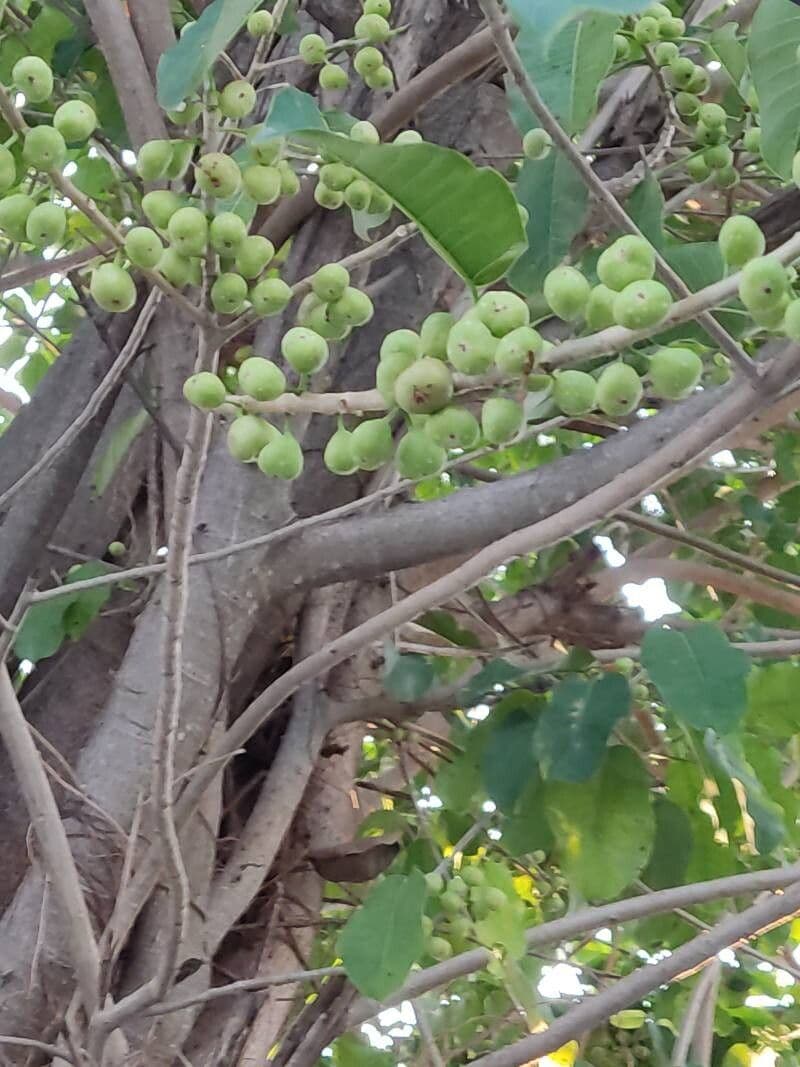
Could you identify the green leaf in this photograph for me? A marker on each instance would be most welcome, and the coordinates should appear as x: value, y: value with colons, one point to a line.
x: 699, y: 674
x: 29, y: 376
x: 182, y: 68
x: 47, y: 625
x: 772, y: 52
x: 646, y: 208
x: 604, y: 828
x: 384, y: 936
x: 728, y: 756
x: 527, y: 829
x: 94, y: 177
x: 555, y: 197
x: 773, y: 699
x: 547, y: 15
x: 443, y: 624
x: 408, y: 676
x: 732, y: 53
x: 468, y: 215
x: 496, y: 672
x: 352, y: 1050
x: 504, y: 928
x: 290, y: 111
x: 672, y: 847
x: 573, y: 732
x: 508, y: 764
x: 117, y: 449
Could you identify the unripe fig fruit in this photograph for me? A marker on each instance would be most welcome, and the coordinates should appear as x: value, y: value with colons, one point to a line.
x: 46, y: 225
x: 599, y: 310
x: 434, y: 332
x: 304, y: 350
x: 516, y: 352
x: 628, y: 259
x: 536, y: 144
x: 740, y: 240
x: 260, y: 23
x: 8, y: 170
x: 713, y: 115
x: 458, y: 885
x: 75, y: 121
x: 330, y: 282
x: 382, y: 81
x: 502, y: 312
x: 159, y: 207
x: 364, y: 132
x: 188, y: 231
x: 427, y: 925
x: 751, y: 140
x: 336, y: 176
x: 682, y: 71
x: 237, y: 99
x: 378, y: 7
x: 328, y: 198
x: 372, y: 28
x: 112, y: 288
x: 182, y: 152
x: 697, y: 168
x: 290, y: 183
x: 353, y: 308
x: 14, y: 212
x: 153, y: 159
x: 566, y: 291
x: 185, y: 113
x: 226, y: 233
x: 389, y: 370
x: 333, y: 77
x: 408, y: 137
x: 228, y: 293
x: 763, y: 284
x: 367, y: 60
x: 700, y: 81
x: 791, y: 320
x: 372, y: 443
x: 176, y: 268
x: 116, y: 549
x: 440, y: 948
x: 262, y: 184
x: 501, y: 419
x: 404, y: 341
x: 308, y: 305
x: 641, y: 305
x: 253, y: 254
x: 261, y: 378
x: 619, y: 389
x: 726, y: 177
x: 143, y: 247
x: 320, y: 321
x: 453, y: 427
x: 424, y: 387
x: 281, y: 458
x: 490, y: 897
x: 379, y: 202
x: 622, y: 48
x: 247, y: 435
x: 687, y: 104
x: 665, y: 52
x: 709, y: 135
x: 751, y: 99
x: 434, y: 883
x: 646, y: 30
x: 338, y: 456
x: 204, y: 390
x: 270, y: 296
x: 218, y: 175
x: 267, y: 152
x: 473, y: 876
x: 672, y: 29
x: 44, y: 148
x: 675, y: 372
x: 718, y: 156
x: 242, y: 353
x: 312, y: 49
x: 357, y: 195
x: 419, y: 457
x: 772, y: 318
x: 574, y: 392
x: 33, y: 77
x: 471, y: 346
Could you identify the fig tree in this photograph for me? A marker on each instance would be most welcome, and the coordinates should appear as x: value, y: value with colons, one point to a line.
x: 304, y: 350
x: 675, y: 372
x: 204, y: 390
x: 619, y: 389
x: 373, y: 444
x: 574, y: 392
x: 424, y: 387
x: 261, y: 378
x: 566, y: 291
x: 282, y: 457
x: 501, y: 419
x: 418, y: 456
x: 112, y: 288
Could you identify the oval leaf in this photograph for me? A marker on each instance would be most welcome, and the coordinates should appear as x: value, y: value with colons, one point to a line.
x: 772, y: 51
x: 573, y: 732
x: 547, y: 15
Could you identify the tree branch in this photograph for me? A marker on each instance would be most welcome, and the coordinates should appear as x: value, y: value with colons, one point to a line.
x: 692, y: 1014
x: 152, y: 25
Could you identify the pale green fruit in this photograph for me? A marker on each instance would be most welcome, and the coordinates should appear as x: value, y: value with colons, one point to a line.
x: 516, y: 352
x: 687, y: 105
x: 772, y: 318
x: 367, y: 60
x: 791, y: 320
x: 641, y: 305
x: 218, y: 175
x: 628, y: 259
x: 338, y: 456
x: 599, y: 310
x: 619, y: 390
x: 242, y: 353
x: 646, y: 30
x: 502, y: 312
x: 33, y: 77
x: 357, y: 195
x: 330, y: 282
x: 682, y: 71
x: 424, y: 387
x: 46, y: 225
x: 44, y: 148
x: 408, y: 137
x: 75, y: 121
x: 270, y: 296
x: 143, y: 247
x: 665, y: 52
x: 622, y: 48
x: 267, y: 152
x: 726, y: 177
x: 713, y: 115
x: 237, y: 99
x: 8, y: 170
x: 182, y: 153
x: 377, y: 7
x: 186, y: 113
x: 226, y: 233
x: 353, y: 308
x: 112, y: 288
x: 319, y: 321
x: 261, y: 378
x: 260, y: 23
x: 153, y: 160
x: 697, y: 168
x: 380, y: 203
x: 253, y: 254
x: 434, y: 882
x: 440, y: 948
x: 372, y: 444
x: 247, y: 435
x: 188, y: 231
x: 262, y: 184
x: 372, y: 28
x: 700, y: 81
x: 672, y: 29
x: 290, y: 183
x: 434, y: 332
x: 328, y: 198
x: 458, y: 885
x: 796, y: 169
x: 718, y: 156
x: 281, y: 458
x: 709, y: 135
x: 336, y: 176
x: 675, y: 372
x: 740, y: 240
x: 204, y: 390
x: 401, y: 341
x: 228, y: 293
x: 751, y: 140
x: 763, y: 284
x: 501, y: 419
x: 116, y: 549
x: 389, y: 370
x: 312, y: 49
x: 159, y: 207
x: 308, y: 304
x: 176, y: 268
x: 567, y: 292
x: 304, y: 350
x: 418, y: 456
x: 453, y: 427
x: 574, y: 392
x: 381, y: 81
x: 473, y: 876
x: 365, y: 132
x: 333, y: 77
x: 536, y: 144
x: 471, y: 346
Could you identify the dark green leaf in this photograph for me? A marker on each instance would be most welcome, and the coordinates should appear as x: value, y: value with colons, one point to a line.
x: 672, y: 847
x: 573, y: 732
x: 460, y: 783
x: 528, y: 829
x: 504, y: 928
x: 384, y: 936
x: 731, y: 51
x: 406, y: 677
x: 772, y: 51
x: 728, y: 756
x: 496, y: 672
x: 117, y: 449
x: 508, y: 764
x: 94, y: 177
x: 351, y: 1050
x: 699, y: 674
x: 646, y: 208
x: 443, y: 623
x: 42, y: 630
x: 32, y: 373
x: 548, y: 15
x: 290, y: 111
x: 773, y: 694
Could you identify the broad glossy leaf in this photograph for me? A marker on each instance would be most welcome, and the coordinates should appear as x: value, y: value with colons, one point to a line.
x: 728, y: 756
x: 603, y: 828
x: 573, y: 731
x: 290, y: 110
x: 47, y: 625
x: 528, y: 830
x: 444, y: 624
x: 508, y: 765
x: 732, y: 53
x: 460, y: 783
x: 699, y: 674
x: 772, y: 52
x: 384, y: 936
x: 547, y: 15
x: 407, y: 676
x: 672, y: 847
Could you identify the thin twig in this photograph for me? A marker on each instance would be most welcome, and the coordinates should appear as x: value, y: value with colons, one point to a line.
x: 691, y: 1016
x: 56, y: 1051
x: 246, y: 985
x: 434, y: 1056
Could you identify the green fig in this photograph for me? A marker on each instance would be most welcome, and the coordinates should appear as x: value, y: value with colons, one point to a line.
x: 440, y: 948
x: 44, y: 148
x: 253, y: 254
x: 372, y: 28
x: 218, y: 175
x: 260, y: 23
x: 502, y: 312
x: 247, y: 435
x: 536, y: 144
x: 453, y: 427
x: 367, y: 60
x: 740, y: 240
x: 320, y: 322
x: 751, y: 140
x: 405, y: 341
x: 353, y: 308
x: 226, y: 233
x: 153, y: 160
x: 237, y: 99
x: 268, y: 152
x: 619, y: 389
x: 204, y: 390
x: 327, y: 198
x: 112, y: 288
x: 357, y: 195
x: 333, y: 77
x: 159, y: 207
x: 471, y: 346
x: 46, y: 225
x: 262, y: 184
x: 373, y: 444
x: 574, y: 392
x: 304, y: 350
x: 434, y: 331
x: 177, y: 269
x: 143, y: 247
x: 290, y: 183
x: 641, y: 305
x: 763, y: 284
x: 188, y: 231
x: 33, y: 77
x: 330, y: 282
x: 389, y: 370
x: 261, y: 378
x: 675, y: 372
x: 312, y: 49
x: 791, y: 320
x: 8, y: 170
x: 567, y: 292
x: 418, y: 456
x: 228, y: 293
x: 424, y: 387
x: 599, y: 311
x: 281, y: 458
x: 364, y: 132
x: 381, y: 81
x: 339, y: 456
x: 516, y: 352
x: 408, y: 137
x: 501, y: 419
x: 270, y: 296
x: 336, y: 176
x: 75, y: 121
x: 629, y: 259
